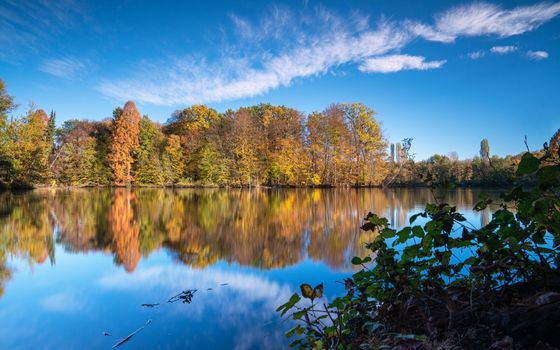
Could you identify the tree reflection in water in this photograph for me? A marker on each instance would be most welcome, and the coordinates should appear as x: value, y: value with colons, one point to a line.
x: 264, y: 228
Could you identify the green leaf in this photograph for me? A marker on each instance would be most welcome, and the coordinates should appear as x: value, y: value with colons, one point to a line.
x: 529, y: 164
x: 403, y: 235
x: 356, y: 260
x: 299, y: 314
x: 294, y: 299
x: 427, y: 242
x: 417, y: 231
x: 415, y: 216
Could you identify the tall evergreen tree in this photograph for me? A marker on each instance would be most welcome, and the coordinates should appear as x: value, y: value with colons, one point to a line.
x: 485, y: 150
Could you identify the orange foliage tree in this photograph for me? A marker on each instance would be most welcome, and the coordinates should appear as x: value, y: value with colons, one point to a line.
x: 124, y: 229
x: 124, y: 142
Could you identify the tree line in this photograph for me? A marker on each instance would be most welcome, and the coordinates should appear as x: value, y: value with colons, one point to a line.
x: 251, y: 146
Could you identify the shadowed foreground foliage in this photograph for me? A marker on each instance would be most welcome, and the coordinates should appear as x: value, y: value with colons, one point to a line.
x: 447, y: 284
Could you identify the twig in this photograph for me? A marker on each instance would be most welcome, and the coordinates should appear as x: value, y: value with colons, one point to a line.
x: 127, y: 338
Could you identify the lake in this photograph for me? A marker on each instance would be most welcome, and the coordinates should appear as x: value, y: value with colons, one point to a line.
x: 77, y: 265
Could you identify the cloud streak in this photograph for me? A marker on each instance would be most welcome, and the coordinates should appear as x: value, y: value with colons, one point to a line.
x: 191, y: 80
x: 503, y: 50
x: 475, y: 55
x: 283, y: 47
x: 28, y: 26
x: 537, y: 55
x: 67, y: 68
x: 480, y: 19
x: 396, y: 63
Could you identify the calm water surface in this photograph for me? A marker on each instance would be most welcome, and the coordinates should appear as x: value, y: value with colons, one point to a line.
x: 77, y: 263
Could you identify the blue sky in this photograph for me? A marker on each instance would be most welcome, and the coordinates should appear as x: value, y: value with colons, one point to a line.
x: 446, y: 74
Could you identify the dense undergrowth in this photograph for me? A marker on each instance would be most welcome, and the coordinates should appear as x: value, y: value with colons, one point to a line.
x: 445, y: 284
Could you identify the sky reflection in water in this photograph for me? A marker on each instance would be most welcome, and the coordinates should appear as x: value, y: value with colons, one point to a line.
x: 77, y: 263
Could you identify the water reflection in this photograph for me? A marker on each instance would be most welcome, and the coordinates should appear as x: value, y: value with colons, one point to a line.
x: 259, y: 228
x: 76, y: 263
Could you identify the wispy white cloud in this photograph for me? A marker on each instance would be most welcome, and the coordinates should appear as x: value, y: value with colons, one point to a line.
x: 395, y: 63
x: 190, y: 80
x: 503, y: 50
x: 283, y: 46
x: 62, y: 302
x: 67, y: 67
x: 28, y: 26
x: 475, y: 55
x: 479, y: 19
x: 537, y: 55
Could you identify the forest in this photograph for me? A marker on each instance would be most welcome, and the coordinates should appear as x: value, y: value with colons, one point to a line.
x: 262, y: 145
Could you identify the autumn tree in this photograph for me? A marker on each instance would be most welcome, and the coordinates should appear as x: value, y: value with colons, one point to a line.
x: 554, y: 144
x: 124, y: 143
x: 27, y: 147
x: 282, y: 149
x: 148, y: 167
x: 244, y: 139
x: 173, y: 160
x: 7, y: 104
x: 191, y: 125
x: 75, y: 157
x: 368, y: 144
x: 329, y: 145
x: 124, y: 229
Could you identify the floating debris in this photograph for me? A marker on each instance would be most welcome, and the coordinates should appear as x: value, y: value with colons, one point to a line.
x: 106, y: 334
x: 224, y: 284
x: 185, y: 296
x: 127, y: 338
x: 209, y: 288
x: 150, y: 305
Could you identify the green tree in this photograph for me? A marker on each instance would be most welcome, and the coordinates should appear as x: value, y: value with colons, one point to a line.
x: 212, y: 167
x: 485, y: 150
x: 148, y: 167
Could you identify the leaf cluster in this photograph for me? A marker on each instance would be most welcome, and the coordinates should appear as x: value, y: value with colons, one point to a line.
x: 441, y: 253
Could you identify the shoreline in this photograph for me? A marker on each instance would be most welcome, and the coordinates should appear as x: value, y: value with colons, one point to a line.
x: 268, y: 187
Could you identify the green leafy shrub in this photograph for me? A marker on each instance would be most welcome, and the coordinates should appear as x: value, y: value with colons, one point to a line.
x: 447, y: 284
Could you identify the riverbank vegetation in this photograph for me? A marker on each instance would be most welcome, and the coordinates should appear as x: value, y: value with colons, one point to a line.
x: 444, y: 283
x: 344, y: 145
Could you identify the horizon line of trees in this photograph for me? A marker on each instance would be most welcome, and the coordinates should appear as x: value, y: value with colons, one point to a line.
x: 251, y: 146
